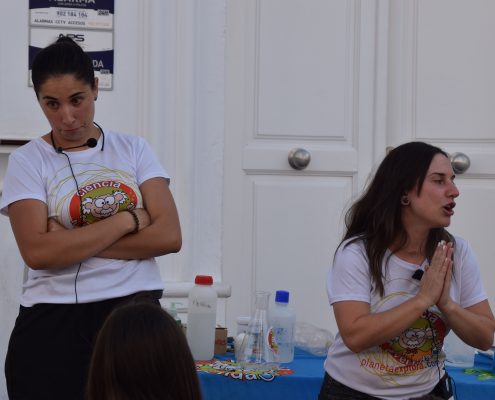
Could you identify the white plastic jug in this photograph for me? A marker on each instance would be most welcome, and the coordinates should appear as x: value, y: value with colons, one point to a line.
x: 201, y: 318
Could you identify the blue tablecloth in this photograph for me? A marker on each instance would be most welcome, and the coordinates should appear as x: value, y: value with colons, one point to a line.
x: 300, y: 379
x: 476, y: 383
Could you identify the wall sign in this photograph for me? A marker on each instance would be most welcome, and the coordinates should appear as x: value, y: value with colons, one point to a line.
x: 88, y: 22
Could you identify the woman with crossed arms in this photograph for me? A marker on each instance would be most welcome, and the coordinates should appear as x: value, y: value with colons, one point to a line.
x: 90, y: 209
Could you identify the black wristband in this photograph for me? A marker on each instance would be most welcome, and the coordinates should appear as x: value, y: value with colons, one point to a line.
x: 136, y: 221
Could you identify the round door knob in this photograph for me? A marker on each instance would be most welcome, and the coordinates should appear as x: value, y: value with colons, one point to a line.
x: 299, y: 158
x: 460, y: 162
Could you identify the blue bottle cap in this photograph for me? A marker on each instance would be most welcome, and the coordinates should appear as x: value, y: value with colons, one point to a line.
x: 282, y: 296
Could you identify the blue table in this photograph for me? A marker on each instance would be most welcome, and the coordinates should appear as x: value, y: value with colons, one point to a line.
x: 477, y: 383
x: 304, y: 382
x: 225, y: 382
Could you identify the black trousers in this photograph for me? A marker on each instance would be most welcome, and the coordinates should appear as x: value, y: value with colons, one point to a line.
x: 334, y: 390
x: 51, y: 345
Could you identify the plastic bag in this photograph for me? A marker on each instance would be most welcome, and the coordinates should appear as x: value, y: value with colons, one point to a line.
x: 313, y: 339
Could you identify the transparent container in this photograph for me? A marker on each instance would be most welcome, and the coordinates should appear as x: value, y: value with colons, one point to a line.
x: 172, y: 310
x: 282, y: 323
x: 256, y: 351
x: 242, y: 324
x: 458, y: 354
x: 201, y: 318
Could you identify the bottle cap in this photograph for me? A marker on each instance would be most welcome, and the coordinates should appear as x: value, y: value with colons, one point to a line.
x: 203, y: 280
x: 282, y: 296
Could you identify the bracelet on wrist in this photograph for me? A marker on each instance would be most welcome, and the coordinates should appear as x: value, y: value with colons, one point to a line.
x: 136, y: 221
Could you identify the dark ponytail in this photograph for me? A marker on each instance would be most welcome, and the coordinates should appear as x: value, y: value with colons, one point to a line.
x: 61, y: 58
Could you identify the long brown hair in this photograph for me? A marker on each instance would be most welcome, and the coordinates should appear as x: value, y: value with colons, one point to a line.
x: 375, y: 217
x: 141, y: 354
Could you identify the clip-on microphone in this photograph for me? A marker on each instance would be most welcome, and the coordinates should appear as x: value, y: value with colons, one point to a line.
x: 418, y: 274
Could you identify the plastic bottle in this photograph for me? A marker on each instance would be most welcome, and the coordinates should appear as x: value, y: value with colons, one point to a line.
x: 282, y: 323
x: 173, y: 312
x: 201, y: 318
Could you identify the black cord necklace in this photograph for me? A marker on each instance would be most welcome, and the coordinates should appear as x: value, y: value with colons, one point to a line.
x: 91, y: 142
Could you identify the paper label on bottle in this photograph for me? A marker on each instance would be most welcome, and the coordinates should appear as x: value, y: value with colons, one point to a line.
x: 271, y: 341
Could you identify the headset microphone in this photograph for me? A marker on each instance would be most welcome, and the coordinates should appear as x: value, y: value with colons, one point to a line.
x: 91, y: 142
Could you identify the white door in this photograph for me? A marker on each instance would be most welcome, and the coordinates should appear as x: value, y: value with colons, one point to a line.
x: 299, y: 74
x: 442, y: 91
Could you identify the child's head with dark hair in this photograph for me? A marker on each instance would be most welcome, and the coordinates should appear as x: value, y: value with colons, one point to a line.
x: 141, y: 353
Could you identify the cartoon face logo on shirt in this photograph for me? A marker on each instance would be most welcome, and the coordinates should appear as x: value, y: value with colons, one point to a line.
x: 419, y: 342
x: 414, y: 338
x: 101, y: 200
x: 105, y: 205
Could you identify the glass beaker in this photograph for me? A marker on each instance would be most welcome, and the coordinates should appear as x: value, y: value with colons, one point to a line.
x: 256, y: 350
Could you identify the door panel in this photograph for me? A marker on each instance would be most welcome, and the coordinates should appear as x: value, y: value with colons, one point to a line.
x: 304, y: 83
x: 296, y: 225
x: 441, y: 90
x: 293, y: 77
x: 455, y: 64
x: 259, y: 157
x: 474, y: 220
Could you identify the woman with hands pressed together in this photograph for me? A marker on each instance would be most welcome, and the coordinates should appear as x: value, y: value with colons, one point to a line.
x: 90, y: 209
x: 400, y: 282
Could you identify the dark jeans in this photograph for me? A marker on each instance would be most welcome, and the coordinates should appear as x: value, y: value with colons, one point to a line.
x: 51, y: 345
x: 334, y: 390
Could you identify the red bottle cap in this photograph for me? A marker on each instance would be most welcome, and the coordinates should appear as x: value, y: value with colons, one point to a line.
x: 203, y: 280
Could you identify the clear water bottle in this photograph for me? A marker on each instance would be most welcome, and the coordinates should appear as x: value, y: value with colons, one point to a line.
x: 282, y: 324
x: 256, y: 349
x: 201, y: 318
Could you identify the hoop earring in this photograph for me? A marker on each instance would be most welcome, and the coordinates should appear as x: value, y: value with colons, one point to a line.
x: 404, y: 200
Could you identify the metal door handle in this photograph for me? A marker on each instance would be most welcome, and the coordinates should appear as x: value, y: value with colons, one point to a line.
x: 299, y: 158
x: 460, y: 162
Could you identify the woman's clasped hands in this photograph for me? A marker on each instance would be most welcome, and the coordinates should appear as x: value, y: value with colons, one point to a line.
x: 435, y: 283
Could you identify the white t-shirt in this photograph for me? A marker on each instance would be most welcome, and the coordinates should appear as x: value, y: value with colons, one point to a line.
x: 408, y: 365
x: 108, y: 182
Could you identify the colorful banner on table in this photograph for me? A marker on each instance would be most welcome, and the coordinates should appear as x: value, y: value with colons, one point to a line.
x: 231, y: 369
